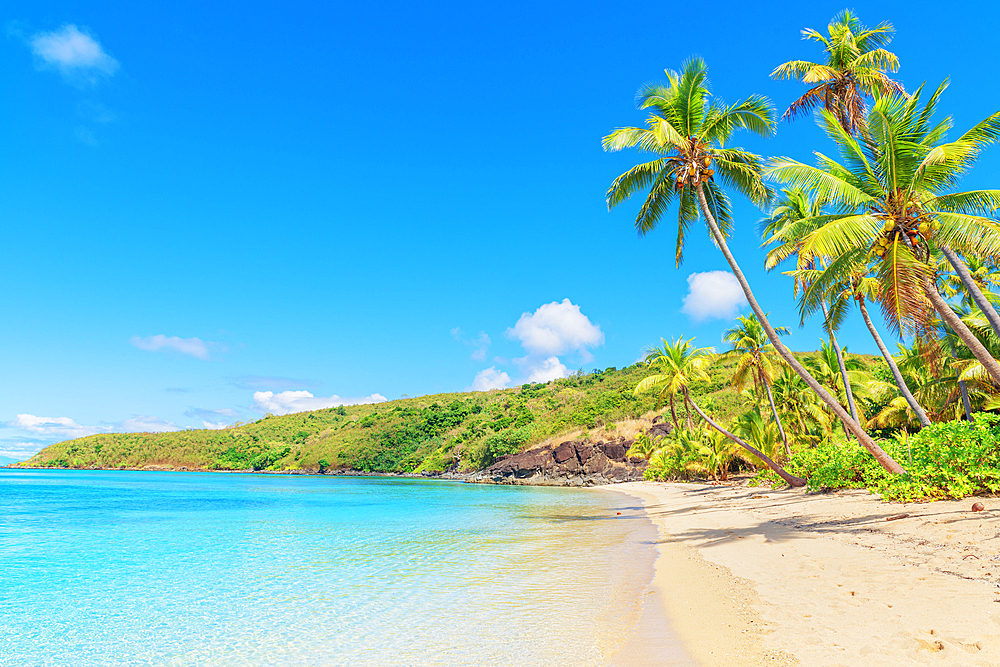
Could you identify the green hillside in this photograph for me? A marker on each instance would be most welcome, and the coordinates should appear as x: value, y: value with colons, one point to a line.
x: 407, y: 435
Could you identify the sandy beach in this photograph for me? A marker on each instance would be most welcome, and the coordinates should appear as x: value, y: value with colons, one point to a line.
x: 752, y: 576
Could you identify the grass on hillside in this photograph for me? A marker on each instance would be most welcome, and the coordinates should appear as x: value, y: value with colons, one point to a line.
x: 407, y: 435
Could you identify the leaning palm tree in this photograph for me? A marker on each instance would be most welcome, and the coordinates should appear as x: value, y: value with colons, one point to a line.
x: 855, y: 68
x: 688, y: 132
x: 756, y: 361
x: 825, y: 367
x: 846, y: 281
x: 793, y: 206
x: 893, y: 208
x: 800, y: 407
x: 678, y: 364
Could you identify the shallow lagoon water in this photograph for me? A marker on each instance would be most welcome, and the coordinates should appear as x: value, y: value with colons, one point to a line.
x: 159, y: 568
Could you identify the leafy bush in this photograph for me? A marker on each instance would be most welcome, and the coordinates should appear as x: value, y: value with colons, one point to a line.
x: 497, y: 445
x: 945, y: 460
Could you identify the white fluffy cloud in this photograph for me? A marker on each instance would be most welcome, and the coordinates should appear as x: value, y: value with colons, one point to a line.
x: 74, y: 52
x: 490, y: 378
x: 214, y: 426
x: 285, y: 402
x: 554, y: 329
x: 713, y: 294
x: 557, y: 328
x: 63, y: 428
x: 195, y: 347
x: 547, y: 369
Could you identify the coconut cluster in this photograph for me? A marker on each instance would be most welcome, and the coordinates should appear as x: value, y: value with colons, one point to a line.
x: 891, y: 231
x: 695, y: 172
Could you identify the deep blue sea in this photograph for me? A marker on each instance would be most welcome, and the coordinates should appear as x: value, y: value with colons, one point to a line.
x: 161, y: 568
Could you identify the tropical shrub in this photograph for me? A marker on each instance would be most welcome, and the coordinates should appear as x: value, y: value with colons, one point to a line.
x: 945, y: 460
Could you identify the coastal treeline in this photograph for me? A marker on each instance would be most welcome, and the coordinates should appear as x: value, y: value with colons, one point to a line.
x: 878, y: 219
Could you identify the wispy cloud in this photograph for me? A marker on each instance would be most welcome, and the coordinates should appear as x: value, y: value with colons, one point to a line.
x: 480, y: 342
x: 211, y: 418
x: 194, y: 347
x: 713, y: 295
x: 286, y: 402
x: 73, y: 52
x: 61, y: 427
x: 146, y: 424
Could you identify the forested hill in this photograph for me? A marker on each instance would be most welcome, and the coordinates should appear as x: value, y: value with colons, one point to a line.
x: 412, y: 434
x: 407, y: 435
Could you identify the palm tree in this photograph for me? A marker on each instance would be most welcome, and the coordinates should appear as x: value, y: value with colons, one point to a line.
x: 855, y: 68
x: 826, y: 367
x: 679, y: 364
x: 792, y: 207
x: 675, y: 362
x: 891, y: 207
x: 688, y: 132
x: 846, y: 281
x: 756, y: 361
x: 799, y: 405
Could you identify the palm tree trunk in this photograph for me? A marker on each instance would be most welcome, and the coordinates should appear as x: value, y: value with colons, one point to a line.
x: 958, y: 326
x: 687, y: 413
x: 673, y: 413
x: 961, y: 386
x: 965, y: 398
x: 880, y: 455
x: 840, y: 362
x: 777, y: 420
x: 791, y: 479
x: 900, y: 382
x: 973, y: 288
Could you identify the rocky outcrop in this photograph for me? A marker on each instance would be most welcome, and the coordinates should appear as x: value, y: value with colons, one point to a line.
x: 570, y: 463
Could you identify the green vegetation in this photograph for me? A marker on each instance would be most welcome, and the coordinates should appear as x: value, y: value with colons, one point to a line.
x: 880, y: 222
x: 947, y: 460
x: 409, y: 435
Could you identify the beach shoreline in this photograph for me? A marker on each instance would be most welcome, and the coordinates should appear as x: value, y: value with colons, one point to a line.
x: 754, y: 576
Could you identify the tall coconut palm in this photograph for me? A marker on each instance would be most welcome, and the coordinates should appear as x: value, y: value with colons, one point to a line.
x: 855, y: 68
x: 800, y: 406
x: 983, y: 272
x: 825, y: 367
x: 890, y: 189
x: 793, y: 206
x: 757, y: 361
x: 847, y: 280
x: 688, y: 131
x: 678, y: 364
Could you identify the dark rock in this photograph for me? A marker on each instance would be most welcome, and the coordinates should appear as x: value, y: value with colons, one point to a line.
x: 570, y: 463
x: 658, y: 429
x: 613, y: 450
x: 563, y: 452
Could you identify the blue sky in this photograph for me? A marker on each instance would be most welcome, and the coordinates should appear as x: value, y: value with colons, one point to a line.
x: 207, y: 202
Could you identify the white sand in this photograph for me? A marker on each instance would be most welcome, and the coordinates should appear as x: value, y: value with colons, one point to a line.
x: 824, y: 579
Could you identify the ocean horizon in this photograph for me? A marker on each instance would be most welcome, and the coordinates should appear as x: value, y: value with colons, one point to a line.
x: 167, y: 568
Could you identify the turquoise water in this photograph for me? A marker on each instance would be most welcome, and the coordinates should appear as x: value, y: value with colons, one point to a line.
x: 159, y: 568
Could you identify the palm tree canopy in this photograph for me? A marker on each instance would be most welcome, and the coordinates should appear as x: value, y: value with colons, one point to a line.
x: 892, y: 200
x: 678, y: 363
x: 855, y: 68
x: 687, y: 130
x: 757, y: 360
